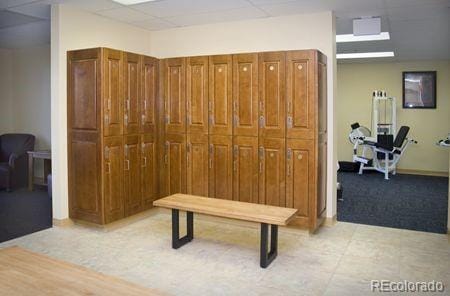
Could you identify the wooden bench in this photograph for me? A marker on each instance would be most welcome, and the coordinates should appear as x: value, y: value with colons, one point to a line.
x: 266, y: 215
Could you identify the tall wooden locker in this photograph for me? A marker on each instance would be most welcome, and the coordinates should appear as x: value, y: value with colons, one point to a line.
x: 245, y: 95
x: 174, y: 79
x: 112, y: 92
x: 197, y: 164
x: 272, y: 173
x: 220, y: 95
x: 197, y: 95
x: 131, y: 95
x: 131, y: 177
x: 149, y: 94
x: 174, y: 180
x: 220, y: 167
x: 272, y: 96
x: 245, y: 169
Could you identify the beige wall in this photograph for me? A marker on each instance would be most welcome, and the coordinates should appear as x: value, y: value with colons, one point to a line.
x: 305, y: 31
x: 73, y: 29
x: 356, y: 83
x: 5, y: 91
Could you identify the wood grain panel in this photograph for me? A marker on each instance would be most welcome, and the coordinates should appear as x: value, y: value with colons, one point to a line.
x: 113, y: 193
x: 245, y: 169
x: 149, y: 179
x: 175, y: 95
x: 220, y: 95
x: 220, y: 167
x: 272, y: 182
x: 245, y: 94
x: 197, y: 94
x: 272, y: 83
x: 131, y: 175
x: 174, y: 180
x: 131, y: 96
x: 149, y: 94
x: 197, y: 164
x: 112, y: 92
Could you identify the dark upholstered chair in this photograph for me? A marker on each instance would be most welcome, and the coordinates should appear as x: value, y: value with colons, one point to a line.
x: 13, y: 159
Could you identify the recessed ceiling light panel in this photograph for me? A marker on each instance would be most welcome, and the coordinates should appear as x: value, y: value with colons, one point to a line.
x: 352, y: 38
x: 131, y: 2
x: 363, y: 55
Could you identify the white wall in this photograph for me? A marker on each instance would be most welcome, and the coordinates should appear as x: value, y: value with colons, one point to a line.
x: 5, y: 91
x: 75, y: 29
x: 305, y: 31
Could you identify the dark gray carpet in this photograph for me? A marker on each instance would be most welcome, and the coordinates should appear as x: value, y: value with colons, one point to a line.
x: 23, y: 212
x: 405, y: 201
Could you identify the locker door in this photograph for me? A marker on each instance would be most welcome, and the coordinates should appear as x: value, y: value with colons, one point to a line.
x: 245, y: 94
x: 131, y: 82
x: 149, y: 92
x: 272, y: 94
x: 272, y: 172
x: 300, y: 175
x: 174, y: 180
x: 112, y: 92
x: 300, y: 94
x: 197, y: 95
x: 174, y: 95
x: 220, y: 92
x: 245, y: 169
x: 220, y: 167
x: 197, y: 164
x: 148, y: 170
x: 132, y: 182
x: 113, y: 179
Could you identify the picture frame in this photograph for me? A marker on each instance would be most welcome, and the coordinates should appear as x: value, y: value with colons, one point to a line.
x: 419, y: 89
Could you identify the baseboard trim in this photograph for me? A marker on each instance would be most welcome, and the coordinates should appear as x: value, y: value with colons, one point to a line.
x: 63, y: 222
x: 330, y: 221
x: 421, y: 172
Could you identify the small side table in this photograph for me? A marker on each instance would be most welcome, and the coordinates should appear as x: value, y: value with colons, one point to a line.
x: 46, y: 155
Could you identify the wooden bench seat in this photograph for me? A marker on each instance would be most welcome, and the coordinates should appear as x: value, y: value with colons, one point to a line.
x: 264, y: 214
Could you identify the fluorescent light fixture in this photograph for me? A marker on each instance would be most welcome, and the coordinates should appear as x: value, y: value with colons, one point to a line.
x: 352, y: 38
x: 362, y: 55
x: 131, y: 2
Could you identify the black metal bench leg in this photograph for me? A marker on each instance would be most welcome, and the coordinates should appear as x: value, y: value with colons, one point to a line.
x: 178, y: 242
x: 266, y: 257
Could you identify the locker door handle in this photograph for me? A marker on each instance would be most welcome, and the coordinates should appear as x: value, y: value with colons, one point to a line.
x: 289, y: 122
x: 127, y: 162
x: 106, y: 119
x: 261, y: 121
x: 260, y: 167
x: 166, y: 159
x: 289, y: 170
x: 108, y: 167
x: 187, y: 159
x: 234, y: 165
x: 210, y: 163
x: 145, y: 162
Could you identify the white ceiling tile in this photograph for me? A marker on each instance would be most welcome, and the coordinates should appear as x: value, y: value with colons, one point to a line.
x: 154, y: 24
x: 13, y: 3
x: 263, y: 2
x: 168, y: 8
x: 217, y: 17
x: 405, y: 3
x: 416, y: 12
x: 37, y: 33
x: 124, y: 14
x: 10, y: 19
x: 297, y: 7
x: 89, y: 5
x: 36, y: 9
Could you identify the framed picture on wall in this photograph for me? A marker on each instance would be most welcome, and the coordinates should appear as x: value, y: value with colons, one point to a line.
x: 419, y: 90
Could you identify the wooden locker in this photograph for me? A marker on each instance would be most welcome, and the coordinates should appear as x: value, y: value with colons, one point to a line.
x: 272, y: 94
x: 84, y: 90
x: 174, y: 180
x: 272, y: 162
x: 197, y: 94
x: 85, y: 167
x: 131, y: 95
x: 112, y: 92
x: 149, y: 185
x: 300, y: 94
x: 300, y: 178
x: 220, y: 92
x: 197, y: 164
x: 174, y: 72
x: 245, y: 169
x: 113, y: 194
x: 149, y: 94
x: 131, y: 175
x: 220, y: 167
x: 245, y: 94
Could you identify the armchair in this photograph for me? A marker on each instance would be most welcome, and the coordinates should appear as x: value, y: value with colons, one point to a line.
x: 13, y: 159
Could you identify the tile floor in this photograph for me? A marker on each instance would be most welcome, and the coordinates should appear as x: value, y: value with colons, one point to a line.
x: 223, y: 258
